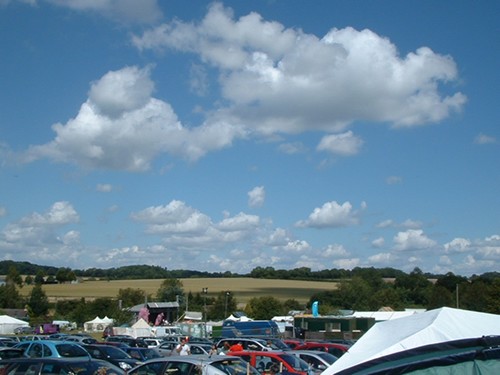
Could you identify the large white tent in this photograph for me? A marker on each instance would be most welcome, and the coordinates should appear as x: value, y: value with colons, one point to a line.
x: 8, y: 324
x: 431, y: 327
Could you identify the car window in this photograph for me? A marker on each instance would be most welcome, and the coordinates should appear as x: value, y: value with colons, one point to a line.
x: 71, y: 350
x: 23, y: 369
x: 148, y: 369
x: 34, y: 351
x: 179, y: 368
x: 52, y: 369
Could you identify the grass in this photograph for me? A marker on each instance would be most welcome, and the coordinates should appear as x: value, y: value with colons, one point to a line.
x: 242, y: 289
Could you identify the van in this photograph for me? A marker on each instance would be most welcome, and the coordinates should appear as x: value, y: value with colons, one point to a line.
x: 251, y: 328
x: 162, y: 331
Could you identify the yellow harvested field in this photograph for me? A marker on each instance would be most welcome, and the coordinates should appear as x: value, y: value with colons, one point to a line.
x: 242, y: 289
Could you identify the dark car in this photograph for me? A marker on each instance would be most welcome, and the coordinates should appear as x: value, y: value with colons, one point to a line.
x: 6, y: 353
x: 335, y: 349
x: 129, y: 340
x: 112, y: 354
x: 38, y: 366
x: 142, y: 354
x: 24, y: 330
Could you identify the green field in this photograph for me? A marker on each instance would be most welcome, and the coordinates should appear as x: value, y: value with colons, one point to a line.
x: 242, y: 289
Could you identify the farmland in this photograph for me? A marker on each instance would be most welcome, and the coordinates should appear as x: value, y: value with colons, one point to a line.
x: 242, y: 289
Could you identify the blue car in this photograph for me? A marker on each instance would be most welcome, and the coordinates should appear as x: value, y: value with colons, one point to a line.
x: 52, y: 349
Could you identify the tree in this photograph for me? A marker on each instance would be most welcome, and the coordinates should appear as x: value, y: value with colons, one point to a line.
x: 40, y: 277
x: 14, y: 277
x: 9, y: 297
x: 38, y: 303
x: 170, y: 290
x: 222, y: 306
x: 28, y: 280
x: 131, y: 297
x: 64, y: 275
x: 263, y: 308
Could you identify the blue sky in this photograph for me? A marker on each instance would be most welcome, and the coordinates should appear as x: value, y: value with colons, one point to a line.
x: 223, y: 136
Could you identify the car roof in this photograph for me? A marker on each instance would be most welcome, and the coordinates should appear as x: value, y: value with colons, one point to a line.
x: 196, y: 359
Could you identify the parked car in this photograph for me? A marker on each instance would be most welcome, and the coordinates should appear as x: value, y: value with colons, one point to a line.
x: 7, y: 352
x: 54, y: 349
x: 167, y: 348
x: 112, y: 354
x: 8, y: 341
x: 129, y: 340
x: 335, y: 349
x: 317, y: 360
x: 247, y: 343
x: 142, y: 354
x: 152, y: 342
x: 38, y: 366
x: 292, y: 343
x: 24, y: 330
x: 80, y: 339
x: 200, y: 365
x: 275, y: 361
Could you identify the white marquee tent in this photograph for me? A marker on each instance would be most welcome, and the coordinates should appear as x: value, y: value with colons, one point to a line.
x: 97, y: 324
x: 431, y: 327
x: 8, y: 324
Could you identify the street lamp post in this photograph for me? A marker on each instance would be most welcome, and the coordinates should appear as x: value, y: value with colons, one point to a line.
x: 228, y: 293
x: 205, y: 291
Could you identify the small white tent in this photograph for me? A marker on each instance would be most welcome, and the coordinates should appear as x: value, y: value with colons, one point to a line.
x: 431, y: 327
x: 8, y: 324
x: 96, y: 324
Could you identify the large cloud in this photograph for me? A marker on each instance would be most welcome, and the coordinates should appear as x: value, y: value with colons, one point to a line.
x: 122, y: 126
x: 283, y: 80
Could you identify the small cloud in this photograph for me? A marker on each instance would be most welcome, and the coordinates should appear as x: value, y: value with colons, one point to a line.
x: 345, y: 144
x: 394, y: 180
x: 3, y: 211
x: 483, y: 139
x: 292, y: 148
x: 385, y: 224
x: 256, y: 196
x: 413, y: 239
x: 378, y: 242
x: 104, y: 188
x: 332, y: 215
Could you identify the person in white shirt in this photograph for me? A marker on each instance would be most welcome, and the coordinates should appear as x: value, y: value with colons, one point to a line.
x: 183, y: 348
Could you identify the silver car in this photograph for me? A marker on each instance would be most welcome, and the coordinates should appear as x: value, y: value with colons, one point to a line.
x: 195, y: 365
x: 318, y: 361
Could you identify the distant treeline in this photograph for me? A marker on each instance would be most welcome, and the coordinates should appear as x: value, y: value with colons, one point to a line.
x: 157, y: 272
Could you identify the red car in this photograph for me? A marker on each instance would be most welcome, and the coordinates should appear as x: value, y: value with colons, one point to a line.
x: 335, y: 349
x: 292, y: 343
x: 274, y: 361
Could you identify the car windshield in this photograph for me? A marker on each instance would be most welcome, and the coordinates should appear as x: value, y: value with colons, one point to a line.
x: 295, y: 362
x: 277, y: 344
x: 150, y: 353
x: 234, y: 367
x: 113, y: 352
x: 68, y: 350
x: 330, y: 358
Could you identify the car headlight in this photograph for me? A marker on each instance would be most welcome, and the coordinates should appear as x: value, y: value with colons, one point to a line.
x: 124, y: 365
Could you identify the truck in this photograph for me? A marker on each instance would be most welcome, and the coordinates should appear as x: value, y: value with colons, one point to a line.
x: 250, y: 328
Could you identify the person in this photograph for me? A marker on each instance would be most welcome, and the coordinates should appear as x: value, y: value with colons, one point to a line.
x: 183, y: 348
x: 213, y: 350
x: 225, y: 348
x: 236, y: 347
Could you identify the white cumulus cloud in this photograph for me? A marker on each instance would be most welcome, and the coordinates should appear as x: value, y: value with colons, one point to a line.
x: 332, y: 215
x: 256, y: 196
x: 282, y: 80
